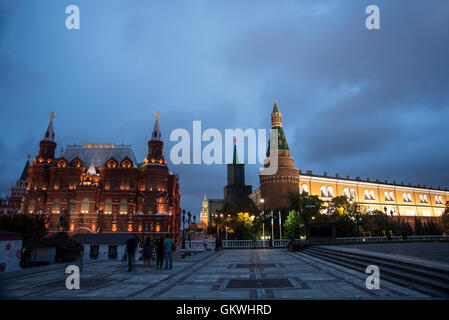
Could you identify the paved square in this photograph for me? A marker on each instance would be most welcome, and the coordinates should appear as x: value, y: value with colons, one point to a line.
x: 227, y: 274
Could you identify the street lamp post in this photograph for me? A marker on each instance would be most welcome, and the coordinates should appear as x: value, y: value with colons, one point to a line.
x: 183, y: 223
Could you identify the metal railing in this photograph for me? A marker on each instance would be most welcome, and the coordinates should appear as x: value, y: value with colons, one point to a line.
x: 198, y: 245
x: 347, y: 240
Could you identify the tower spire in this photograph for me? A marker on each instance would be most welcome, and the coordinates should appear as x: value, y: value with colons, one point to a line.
x: 92, y: 171
x: 156, y: 135
x: 50, y: 134
x: 24, y: 176
x: 235, y: 158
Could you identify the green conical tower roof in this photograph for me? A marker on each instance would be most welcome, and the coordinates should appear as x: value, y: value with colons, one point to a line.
x: 276, y: 123
x: 282, y: 141
x: 235, y: 159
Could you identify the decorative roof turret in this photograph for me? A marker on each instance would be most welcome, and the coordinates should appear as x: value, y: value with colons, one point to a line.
x: 50, y: 134
x: 276, y: 123
x: 156, y: 135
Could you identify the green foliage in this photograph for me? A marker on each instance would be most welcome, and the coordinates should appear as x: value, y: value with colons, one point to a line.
x: 419, y: 228
x: 302, y: 203
x: 240, y: 226
x: 445, y: 220
x: 246, y: 205
x: 293, y: 226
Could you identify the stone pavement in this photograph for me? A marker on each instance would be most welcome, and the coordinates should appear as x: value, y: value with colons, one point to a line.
x: 227, y: 274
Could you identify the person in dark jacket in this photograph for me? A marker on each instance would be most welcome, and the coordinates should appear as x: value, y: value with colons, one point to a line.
x: 147, y: 252
x: 131, y: 245
x: 159, y: 253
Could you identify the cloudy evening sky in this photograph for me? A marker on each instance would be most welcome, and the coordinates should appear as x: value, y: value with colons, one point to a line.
x: 358, y: 102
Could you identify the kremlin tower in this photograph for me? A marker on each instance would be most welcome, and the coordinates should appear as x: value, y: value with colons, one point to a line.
x: 277, y: 185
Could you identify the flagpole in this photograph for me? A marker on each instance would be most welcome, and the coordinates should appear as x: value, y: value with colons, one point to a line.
x: 280, y: 226
x: 272, y: 230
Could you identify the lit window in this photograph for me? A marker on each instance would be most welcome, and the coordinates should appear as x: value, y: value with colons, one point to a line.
x: 372, y: 196
x: 32, y: 206
x: 85, y: 205
x: 387, y: 196
x: 425, y: 199
x: 391, y: 196
x: 367, y: 197
x: 352, y: 194
x: 56, y: 206
x: 323, y: 191
x: 346, y: 193
x: 330, y: 192
x: 409, y: 197
x: 72, y: 205
x: 108, y: 207
x: 305, y: 188
x: 123, y: 207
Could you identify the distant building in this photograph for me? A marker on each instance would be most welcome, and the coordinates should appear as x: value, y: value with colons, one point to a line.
x: 204, y: 215
x: 18, y: 191
x: 393, y: 198
x: 234, y: 191
x: 101, y: 188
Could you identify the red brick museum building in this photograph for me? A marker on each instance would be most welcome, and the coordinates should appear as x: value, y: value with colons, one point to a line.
x: 101, y: 188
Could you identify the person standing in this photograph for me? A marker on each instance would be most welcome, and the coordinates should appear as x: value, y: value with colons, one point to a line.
x: 147, y: 252
x: 131, y: 245
x: 159, y: 253
x: 168, y: 247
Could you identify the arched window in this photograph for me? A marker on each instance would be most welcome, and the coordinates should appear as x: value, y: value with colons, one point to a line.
x: 367, y: 197
x: 61, y: 163
x: 391, y: 196
x: 425, y: 199
x: 330, y: 192
x: 75, y: 163
x: 305, y: 188
x: 123, y: 207
x: 323, y: 191
x: 409, y: 197
x: 56, y: 206
x: 111, y: 163
x: 372, y: 196
x: 404, y: 195
x: 72, y: 205
x: 85, y: 205
x: 441, y: 199
x: 352, y: 194
x: 346, y: 193
x: 421, y: 198
x: 32, y: 206
x: 387, y: 196
x: 108, y: 206
x: 126, y: 163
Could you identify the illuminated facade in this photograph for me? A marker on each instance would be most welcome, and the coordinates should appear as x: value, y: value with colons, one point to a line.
x: 102, y: 188
x: 393, y: 198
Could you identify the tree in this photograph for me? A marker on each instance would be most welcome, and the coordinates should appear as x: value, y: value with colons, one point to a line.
x: 339, y: 205
x: 293, y: 226
x: 307, y: 206
x: 241, y: 226
x: 419, y: 229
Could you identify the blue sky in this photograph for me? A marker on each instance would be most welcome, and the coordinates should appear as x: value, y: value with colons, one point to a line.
x: 354, y: 102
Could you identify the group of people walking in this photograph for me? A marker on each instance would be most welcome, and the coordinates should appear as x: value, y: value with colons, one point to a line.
x: 164, y: 250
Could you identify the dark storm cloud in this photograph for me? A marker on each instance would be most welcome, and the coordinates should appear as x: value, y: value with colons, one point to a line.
x: 355, y: 102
